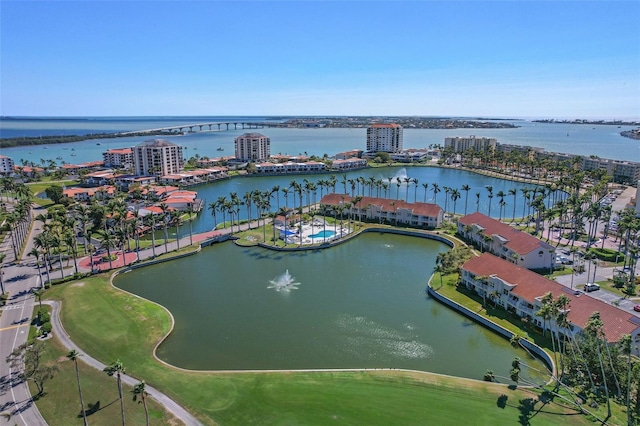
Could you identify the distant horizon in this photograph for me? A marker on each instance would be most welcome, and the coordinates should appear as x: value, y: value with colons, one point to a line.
x: 455, y: 117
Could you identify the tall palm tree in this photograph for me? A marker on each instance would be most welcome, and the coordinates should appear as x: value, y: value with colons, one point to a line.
x: 426, y: 187
x: 513, y: 192
x: 73, y: 356
x: 139, y: 391
x: 466, y: 189
x: 477, y: 202
x: 2, y: 256
x: 501, y: 203
x: 118, y: 369
x: 435, y: 188
x: 213, y: 207
x: 455, y: 195
x: 490, y: 190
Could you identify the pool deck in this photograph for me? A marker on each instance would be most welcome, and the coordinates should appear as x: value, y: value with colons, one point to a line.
x: 308, y: 229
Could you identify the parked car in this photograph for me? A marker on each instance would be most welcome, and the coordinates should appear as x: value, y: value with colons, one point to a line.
x: 591, y: 287
x: 636, y: 308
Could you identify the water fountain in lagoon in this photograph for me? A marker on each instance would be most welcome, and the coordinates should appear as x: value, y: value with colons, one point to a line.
x: 284, y: 282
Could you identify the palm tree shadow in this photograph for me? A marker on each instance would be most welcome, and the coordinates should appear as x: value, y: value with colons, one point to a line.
x: 93, y: 408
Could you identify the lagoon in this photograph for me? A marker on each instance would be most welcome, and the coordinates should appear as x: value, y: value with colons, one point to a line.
x: 361, y: 304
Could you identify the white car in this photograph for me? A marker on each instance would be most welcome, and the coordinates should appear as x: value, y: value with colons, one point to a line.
x: 591, y: 287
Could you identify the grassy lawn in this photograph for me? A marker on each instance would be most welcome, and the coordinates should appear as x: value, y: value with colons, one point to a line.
x: 61, y: 404
x: 95, y: 315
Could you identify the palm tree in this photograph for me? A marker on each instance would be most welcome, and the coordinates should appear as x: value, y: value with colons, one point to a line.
x: 213, y: 206
x: 513, y: 192
x: 435, y: 188
x: 455, y: 195
x: 466, y: 189
x: 118, y: 369
x: 501, y: 203
x: 426, y: 187
x: 73, y: 356
x: 490, y: 190
x: 38, y: 295
x: 477, y: 202
x: 139, y: 391
x: 2, y: 256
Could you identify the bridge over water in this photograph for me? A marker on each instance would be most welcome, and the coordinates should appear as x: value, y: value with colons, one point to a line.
x: 205, y: 127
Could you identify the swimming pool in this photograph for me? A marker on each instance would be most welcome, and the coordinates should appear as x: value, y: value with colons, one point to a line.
x: 323, y: 234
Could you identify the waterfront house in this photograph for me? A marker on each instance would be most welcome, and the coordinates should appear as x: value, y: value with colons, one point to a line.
x: 424, y: 215
x: 85, y: 195
x: 351, y: 163
x: 520, y: 291
x: 506, y: 241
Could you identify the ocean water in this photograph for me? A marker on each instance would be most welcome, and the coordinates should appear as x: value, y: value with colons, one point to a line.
x: 584, y: 139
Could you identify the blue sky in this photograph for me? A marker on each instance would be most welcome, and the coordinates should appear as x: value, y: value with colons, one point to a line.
x: 502, y: 58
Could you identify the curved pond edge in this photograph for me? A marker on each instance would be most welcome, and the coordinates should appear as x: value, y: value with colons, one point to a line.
x: 526, y: 344
x: 435, y: 235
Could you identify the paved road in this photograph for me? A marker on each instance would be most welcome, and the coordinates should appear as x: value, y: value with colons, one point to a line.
x: 20, y: 278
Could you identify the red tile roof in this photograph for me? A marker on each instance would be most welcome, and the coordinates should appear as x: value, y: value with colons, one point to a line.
x: 520, y: 242
x: 386, y: 204
x: 530, y: 285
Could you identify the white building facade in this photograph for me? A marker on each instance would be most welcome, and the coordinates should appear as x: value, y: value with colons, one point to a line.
x: 118, y: 158
x: 252, y: 147
x: 462, y: 144
x: 384, y: 138
x: 157, y: 157
x: 6, y: 165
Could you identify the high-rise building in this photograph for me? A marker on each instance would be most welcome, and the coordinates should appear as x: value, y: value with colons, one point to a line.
x: 6, y: 165
x: 157, y: 157
x: 118, y: 158
x: 462, y: 144
x: 384, y: 138
x: 253, y: 147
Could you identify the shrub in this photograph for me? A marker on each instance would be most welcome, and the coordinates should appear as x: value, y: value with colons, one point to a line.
x: 45, y: 328
x: 43, y: 317
x: 608, y: 255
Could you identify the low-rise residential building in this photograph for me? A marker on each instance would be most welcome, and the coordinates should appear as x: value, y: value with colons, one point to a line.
x: 506, y: 241
x: 520, y: 291
x: 181, y: 200
x: 88, y: 166
x: 410, y: 155
x: 84, y: 195
x: 290, y: 167
x: 349, y: 154
x: 425, y: 215
x: 99, y: 178
x: 352, y: 163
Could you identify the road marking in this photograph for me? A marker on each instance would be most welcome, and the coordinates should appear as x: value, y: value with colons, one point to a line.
x: 14, y: 326
x: 9, y: 307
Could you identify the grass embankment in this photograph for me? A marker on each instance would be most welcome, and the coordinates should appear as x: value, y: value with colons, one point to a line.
x: 96, y: 316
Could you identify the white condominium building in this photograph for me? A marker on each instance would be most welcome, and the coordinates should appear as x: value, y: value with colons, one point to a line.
x: 6, y: 165
x: 384, y: 138
x: 118, y: 157
x: 157, y: 157
x: 253, y: 147
x: 458, y: 144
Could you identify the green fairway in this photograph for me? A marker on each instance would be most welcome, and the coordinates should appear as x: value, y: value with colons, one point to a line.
x: 110, y: 325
